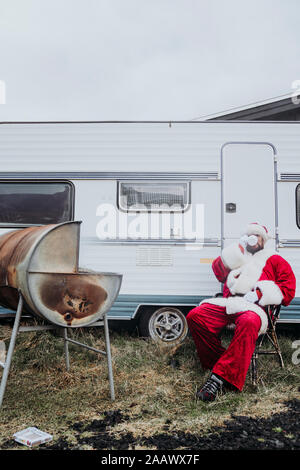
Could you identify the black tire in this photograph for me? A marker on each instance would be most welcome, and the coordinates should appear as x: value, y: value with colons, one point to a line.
x: 166, y: 325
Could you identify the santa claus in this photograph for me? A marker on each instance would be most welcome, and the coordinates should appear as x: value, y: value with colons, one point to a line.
x: 253, y: 278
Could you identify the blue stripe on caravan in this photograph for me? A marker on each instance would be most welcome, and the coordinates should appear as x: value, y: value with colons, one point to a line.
x: 126, y: 304
x: 4, y: 311
x: 292, y: 312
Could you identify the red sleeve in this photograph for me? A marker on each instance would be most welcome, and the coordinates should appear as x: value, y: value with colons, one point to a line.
x: 220, y: 270
x: 280, y: 271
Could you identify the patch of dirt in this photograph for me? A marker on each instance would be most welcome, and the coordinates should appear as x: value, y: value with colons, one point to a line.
x: 101, y: 438
x: 278, y: 431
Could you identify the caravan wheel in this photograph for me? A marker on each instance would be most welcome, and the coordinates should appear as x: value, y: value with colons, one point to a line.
x: 166, y: 325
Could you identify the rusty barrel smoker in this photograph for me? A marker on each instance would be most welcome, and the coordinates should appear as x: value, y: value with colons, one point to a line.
x: 39, y: 274
x: 42, y: 263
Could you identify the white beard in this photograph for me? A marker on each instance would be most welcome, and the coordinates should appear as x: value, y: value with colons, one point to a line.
x: 244, y: 278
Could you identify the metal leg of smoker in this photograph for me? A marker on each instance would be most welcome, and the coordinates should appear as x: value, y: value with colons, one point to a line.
x: 106, y: 353
x: 7, y: 364
x: 66, y: 346
x: 109, y: 362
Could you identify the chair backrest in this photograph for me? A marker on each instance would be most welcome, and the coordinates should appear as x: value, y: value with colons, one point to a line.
x: 219, y: 294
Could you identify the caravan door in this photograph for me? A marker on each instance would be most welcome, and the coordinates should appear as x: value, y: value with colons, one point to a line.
x: 248, y: 189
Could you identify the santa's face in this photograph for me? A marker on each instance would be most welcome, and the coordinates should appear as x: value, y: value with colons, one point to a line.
x: 259, y: 245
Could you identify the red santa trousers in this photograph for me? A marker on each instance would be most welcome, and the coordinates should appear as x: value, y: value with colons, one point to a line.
x: 206, y: 322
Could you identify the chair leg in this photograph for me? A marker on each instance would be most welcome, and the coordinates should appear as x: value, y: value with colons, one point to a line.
x: 254, y: 369
x: 274, y: 340
x: 272, y: 335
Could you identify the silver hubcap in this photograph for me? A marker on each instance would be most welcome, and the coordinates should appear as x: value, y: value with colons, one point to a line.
x: 167, y: 325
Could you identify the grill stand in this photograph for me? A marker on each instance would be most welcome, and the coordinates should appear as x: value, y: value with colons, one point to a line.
x: 18, y: 329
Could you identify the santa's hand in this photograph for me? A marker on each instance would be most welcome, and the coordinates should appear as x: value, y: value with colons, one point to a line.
x: 251, y: 296
x: 243, y: 243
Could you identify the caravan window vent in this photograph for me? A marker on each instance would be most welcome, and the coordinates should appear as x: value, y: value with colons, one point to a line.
x: 35, y: 203
x: 154, y: 196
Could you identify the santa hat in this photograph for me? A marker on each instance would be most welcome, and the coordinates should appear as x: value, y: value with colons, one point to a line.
x: 257, y: 229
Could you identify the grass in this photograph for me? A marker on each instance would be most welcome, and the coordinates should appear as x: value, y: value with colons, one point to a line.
x: 149, y: 389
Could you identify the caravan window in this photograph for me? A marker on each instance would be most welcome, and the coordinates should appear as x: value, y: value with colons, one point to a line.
x: 35, y: 203
x: 154, y: 196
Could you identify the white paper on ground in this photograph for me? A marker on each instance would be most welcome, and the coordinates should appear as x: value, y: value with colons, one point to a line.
x: 32, y: 436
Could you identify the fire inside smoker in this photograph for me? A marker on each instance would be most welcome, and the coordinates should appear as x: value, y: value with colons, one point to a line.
x: 42, y: 263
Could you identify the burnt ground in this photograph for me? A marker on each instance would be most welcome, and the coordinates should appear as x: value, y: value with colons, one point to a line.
x: 280, y: 431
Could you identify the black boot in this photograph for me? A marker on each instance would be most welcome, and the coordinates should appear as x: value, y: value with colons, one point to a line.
x: 212, y: 387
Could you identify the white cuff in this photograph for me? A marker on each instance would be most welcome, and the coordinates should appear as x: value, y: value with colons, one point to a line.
x: 238, y: 304
x: 232, y: 256
x: 271, y: 293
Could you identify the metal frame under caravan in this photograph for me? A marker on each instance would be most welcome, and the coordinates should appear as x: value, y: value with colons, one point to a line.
x: 214, y: 175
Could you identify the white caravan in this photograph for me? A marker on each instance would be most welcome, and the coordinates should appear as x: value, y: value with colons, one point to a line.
x: 157, y: 201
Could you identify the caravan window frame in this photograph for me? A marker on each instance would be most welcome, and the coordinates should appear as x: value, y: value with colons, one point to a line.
x: 40, y: 181
x: 297, y: 205
x: 152, y: 181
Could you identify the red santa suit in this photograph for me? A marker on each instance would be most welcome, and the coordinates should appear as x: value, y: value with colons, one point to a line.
x: 265, y: 273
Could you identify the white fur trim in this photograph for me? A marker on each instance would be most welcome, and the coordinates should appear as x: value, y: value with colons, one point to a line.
x: 232, y: 256
x: 271, y: 293
x: 244, y: 279
x: 256, y: 229
x: 238, y: 304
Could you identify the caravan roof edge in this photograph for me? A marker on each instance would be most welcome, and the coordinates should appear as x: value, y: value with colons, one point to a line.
x: 221, y: 121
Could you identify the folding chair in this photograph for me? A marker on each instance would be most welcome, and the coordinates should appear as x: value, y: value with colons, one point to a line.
x: 272, y: 312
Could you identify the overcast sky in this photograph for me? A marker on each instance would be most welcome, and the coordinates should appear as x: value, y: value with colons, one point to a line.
x: 144, y: 59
